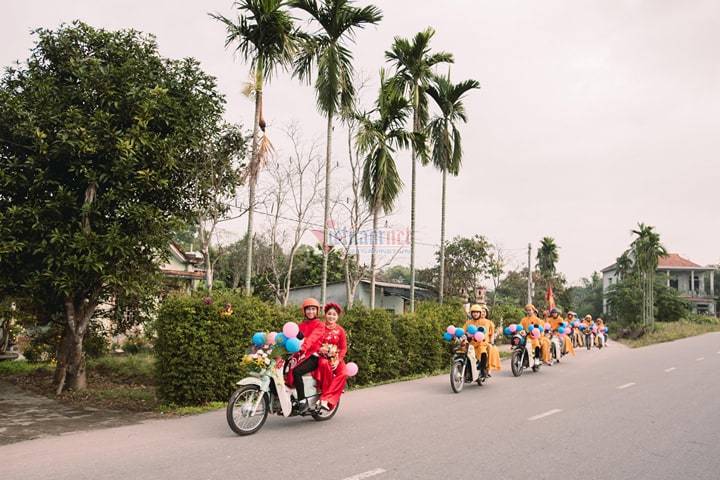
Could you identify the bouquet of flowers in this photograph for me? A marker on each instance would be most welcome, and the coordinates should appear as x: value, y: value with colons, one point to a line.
x: 259, y: 357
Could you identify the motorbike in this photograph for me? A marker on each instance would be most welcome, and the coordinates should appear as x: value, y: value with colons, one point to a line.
x: 464, y: 366
x: 265, y: 392
x: 522, y: 357
x: 557, y: 348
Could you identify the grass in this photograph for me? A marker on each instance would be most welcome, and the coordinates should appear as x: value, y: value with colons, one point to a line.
x: 11, y: 368
x: 669, y: 331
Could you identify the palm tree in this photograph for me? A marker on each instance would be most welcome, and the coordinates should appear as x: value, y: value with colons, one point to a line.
x: 378, y: 138
x: 647, y: 250
x: 266, y: 38
x: 414, y: 64
x: 338, y: 21
x: 547, y: 257
x: 446, y: 142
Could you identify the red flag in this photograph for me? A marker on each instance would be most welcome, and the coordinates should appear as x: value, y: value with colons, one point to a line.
x: 550, y: 298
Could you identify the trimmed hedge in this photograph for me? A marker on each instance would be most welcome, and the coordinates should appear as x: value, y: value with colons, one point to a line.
x: 199, y: 350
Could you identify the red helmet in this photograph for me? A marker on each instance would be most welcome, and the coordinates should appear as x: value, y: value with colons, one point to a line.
x: 310, y: 302
x: 333, y: 306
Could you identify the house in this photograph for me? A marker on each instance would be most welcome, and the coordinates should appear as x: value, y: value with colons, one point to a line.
x: 394, y: 297
x: 694, y: 282
x: 181, y: 270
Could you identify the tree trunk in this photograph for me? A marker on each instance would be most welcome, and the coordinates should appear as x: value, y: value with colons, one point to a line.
x: 209, y: 268
x: 372, y: 259
x: 70, y: 372
x: 326, y: 215
x: 253, y: 179
x: 416, y: 122
x: 441, y: 293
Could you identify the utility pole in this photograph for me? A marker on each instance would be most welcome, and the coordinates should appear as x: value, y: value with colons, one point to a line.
x: 529, y: 296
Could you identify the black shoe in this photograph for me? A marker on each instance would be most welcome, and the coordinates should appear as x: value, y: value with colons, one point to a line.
x: 302, y: 407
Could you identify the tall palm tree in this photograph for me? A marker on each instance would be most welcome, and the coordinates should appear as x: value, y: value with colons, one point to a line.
x: 647, y: 251
x: 338, y: 21
x: 414, y: 64
x: 547, y: 257
x: 265, y: 36
x: 379, y: 136
x: 446, y: 142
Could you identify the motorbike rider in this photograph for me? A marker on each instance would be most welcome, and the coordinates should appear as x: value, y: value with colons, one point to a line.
x: 330, y: 373
x: 576, y: 336
x: 485, y: 351
x: 588, y: 324
x: 311, y: 332
x: 529, y: 319
x: 600, y: 336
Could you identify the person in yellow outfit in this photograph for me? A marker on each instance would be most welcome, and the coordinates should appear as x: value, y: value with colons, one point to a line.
x: 531, y: 318
x: 485, y: 351
x: 587, y: 331
x: 600, y: 335
x: 577, y: 338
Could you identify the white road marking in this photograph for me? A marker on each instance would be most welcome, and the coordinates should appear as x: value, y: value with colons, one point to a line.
x: 368, y: 474
x: 626, y: 385
x: 669, y: 369
x: 700, y: 359
x: 546, y: 414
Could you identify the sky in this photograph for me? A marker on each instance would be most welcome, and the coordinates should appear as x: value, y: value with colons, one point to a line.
x: 592, y: 115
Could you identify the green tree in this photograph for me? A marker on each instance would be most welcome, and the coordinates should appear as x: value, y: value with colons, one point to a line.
x: 309, y: 265
x: 396, y: 274
x: 338, y: 21
x: 647, y: 250
x: 379, y: 136
x: 96, y: 134
x: 414, y: 63
x: 447, y: 142
x: 586, y: 298
x: 266, y: 38
x: 467, y: 260
x: 547, y: 258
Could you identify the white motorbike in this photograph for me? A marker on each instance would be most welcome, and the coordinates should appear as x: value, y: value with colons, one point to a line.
x: 265, y: 392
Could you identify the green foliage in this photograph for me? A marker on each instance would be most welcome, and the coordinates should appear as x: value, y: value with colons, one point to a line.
x: 506, y: 313
x: 625, y: 301
x: 587, y: 298
x: 467, y: 260
x: 199, y: 351
x: 97, y: 341
x: 307, y: 266
x: 134, y: 369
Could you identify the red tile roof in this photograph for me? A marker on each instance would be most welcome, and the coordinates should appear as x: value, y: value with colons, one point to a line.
x: 673, y: 260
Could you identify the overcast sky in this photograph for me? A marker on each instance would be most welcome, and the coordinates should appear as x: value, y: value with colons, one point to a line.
x: 593, y: 114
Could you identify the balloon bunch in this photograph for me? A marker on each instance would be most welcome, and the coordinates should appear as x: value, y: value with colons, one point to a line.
x: 513, y: 329
x: 478, y: 334
x: 287, y: 338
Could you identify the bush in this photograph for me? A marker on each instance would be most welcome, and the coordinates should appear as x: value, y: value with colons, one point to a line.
x: 199, y: 350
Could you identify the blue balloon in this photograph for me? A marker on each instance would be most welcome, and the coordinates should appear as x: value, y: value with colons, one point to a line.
x: 472, y: 329
x: 561, y: 330
x: 280, y: 339
x: 447, y: 336
x: 582, y: 326
x: 519, y: 328
x: 292, y: 345
x: 507, y: 331
x: 258, y: 339
x: 606, y: 329
x: 541, y: 329
x: 459, y: 332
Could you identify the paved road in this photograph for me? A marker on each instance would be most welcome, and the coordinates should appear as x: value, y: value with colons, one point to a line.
x: 651, y: 413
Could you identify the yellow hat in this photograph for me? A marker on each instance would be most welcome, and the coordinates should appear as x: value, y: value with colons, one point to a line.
x: 478, y: 308
x: 531, y: 306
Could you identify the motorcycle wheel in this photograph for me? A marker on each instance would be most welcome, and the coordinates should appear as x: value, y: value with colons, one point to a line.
x: 457, y: 376
x: 516, y: 363
x: 237, y: 412
x: 325, y: 415
x: 536, y: 368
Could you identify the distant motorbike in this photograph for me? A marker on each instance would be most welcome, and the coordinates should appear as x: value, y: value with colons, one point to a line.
x: 522, y: 357
x: 265, y: 392
x: 464, y: 366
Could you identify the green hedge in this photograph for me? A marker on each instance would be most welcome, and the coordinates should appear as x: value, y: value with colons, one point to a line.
x: 199, y: 350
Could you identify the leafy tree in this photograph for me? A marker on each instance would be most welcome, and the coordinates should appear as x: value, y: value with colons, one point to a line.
x: 96, y: 134
x: 586, y: 298
x: 626, y: 301
x: 647, y: 250
x: 414, y: 63
x: 396, y: 274
x: 446, y: 141
x: 467, y: 260
x: 266, y: 38
x: 338, y: 21
x: 309, y: 265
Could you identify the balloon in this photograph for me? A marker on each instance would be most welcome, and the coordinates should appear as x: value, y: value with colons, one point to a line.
x: 459, y: 332
x: 548, y: 326
x: 450, y: 330
x: 606, y: 329
x: 447, y: 336
x: 481, y: 329
x: 582, y: 327
x: 291, y: 330
x: 536, y: 332
x: 280, y: 339
x: 258, y: 339
x: 512, y: 328
x: 472, y: 329
x: 564, y: 323
x: 507, y: 331
x: 351, y: 369
x: 271, y: 338
x: 541, y: 328
x: 519, y: 327
x: 292, y: 345
x: 561, y: 330
x: 479, y: 336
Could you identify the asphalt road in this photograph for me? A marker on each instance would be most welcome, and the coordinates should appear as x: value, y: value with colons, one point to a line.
x: 650, y: 413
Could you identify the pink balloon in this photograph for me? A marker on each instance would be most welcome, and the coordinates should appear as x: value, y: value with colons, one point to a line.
x: 568, y: 330
x: 548, y: 326
x: 351, y: 369
x: 451, y: 330
x: 270, y: 340
x: 479, y: 336
x: 536, y: 332
x: 513, y: 328
x: 291, y: 330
